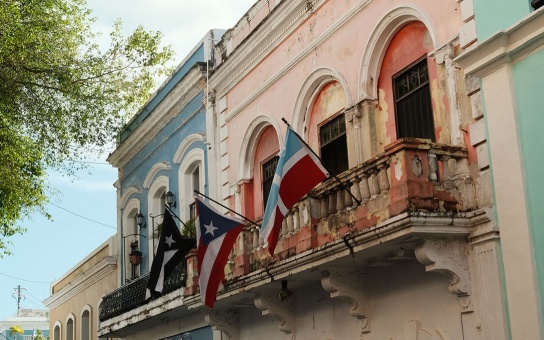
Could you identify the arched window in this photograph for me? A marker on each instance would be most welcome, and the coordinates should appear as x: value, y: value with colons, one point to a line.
x: 70, y: 327
x: 327, y: 129
x: 405, y: 81
x: 156, y: 201
x: 264, y: 168
x: 86, y: 323
x: 57, y: 331
x: 131, y: 238
x: 191, y: 178
x: 257, y: 164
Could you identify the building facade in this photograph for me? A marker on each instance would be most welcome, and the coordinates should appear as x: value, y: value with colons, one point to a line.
x: 162, y: 159
x: 407, y: 247
x: 76, y: 296
x: 29, y: 321
x: 507, y: 63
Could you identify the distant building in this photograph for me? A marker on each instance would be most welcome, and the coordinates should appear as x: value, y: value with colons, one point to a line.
x: 75, y: 296
x: 29, y: 320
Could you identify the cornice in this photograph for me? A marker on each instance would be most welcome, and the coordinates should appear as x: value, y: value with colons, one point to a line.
x: 82, y: 282
x: 282, y: 21
x: 505, y: 47
x: 186, y: 90
x: 227, y: 81
x: 410, y: 225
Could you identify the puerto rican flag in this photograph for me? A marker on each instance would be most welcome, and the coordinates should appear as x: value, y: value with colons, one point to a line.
x: 217, y: 234
x: 299, y: 170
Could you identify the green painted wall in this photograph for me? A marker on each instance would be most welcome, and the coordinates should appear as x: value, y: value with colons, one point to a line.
x: 492, y: 16
x: 529, y: 82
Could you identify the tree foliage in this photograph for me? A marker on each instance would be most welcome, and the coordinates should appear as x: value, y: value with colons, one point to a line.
x: 61, y: 93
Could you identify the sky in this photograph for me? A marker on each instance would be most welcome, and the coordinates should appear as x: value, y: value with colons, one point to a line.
x: 84, y: 207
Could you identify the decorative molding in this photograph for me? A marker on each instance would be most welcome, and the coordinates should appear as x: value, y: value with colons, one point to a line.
x: 82, y: 282
x: 185, y: 144
x: 505, y: 47
x: 347, y: 285
x: 175, y: 101
x: 249, y: 144
x: 448, y: 257
x: 154, y: 171
x: 269, y: 304
x: 121, y: 202
x: 309, y: 91
x: 226, y: 321
x: 228, y: 76
x: 380, y: 38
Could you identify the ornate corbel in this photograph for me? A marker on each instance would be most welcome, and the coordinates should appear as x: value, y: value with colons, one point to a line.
x: 348, y: 286
x: 448, y: 257
x: 269, y: 304
x: 226, y: 321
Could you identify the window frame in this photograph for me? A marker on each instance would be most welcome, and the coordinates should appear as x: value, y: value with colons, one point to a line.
x: 332, y: 167
x: 270, y: 180
x: 426, y: 85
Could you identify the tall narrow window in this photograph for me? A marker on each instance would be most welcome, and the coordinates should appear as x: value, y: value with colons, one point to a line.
x: 194, y: 185
x: 70, y: 329
x: 85, y: 325
x: 56, y: 332
x: 413, y: 107
x: 334, y: 149
x: 269, y: 169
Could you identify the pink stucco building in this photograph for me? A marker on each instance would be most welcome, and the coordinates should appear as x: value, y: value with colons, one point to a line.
x: 411, y: 252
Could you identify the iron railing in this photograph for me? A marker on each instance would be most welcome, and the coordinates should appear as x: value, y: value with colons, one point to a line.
x: 132, y: 295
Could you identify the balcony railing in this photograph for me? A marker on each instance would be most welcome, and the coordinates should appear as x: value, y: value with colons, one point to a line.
x: 132, y: 295
x: 410, y: 175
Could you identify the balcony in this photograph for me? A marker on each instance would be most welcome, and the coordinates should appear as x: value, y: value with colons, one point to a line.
x: 415, y: 196
x: 132, y: 295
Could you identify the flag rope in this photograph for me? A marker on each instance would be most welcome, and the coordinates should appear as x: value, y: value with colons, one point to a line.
x: 229, y: 209
x: 342, y: 184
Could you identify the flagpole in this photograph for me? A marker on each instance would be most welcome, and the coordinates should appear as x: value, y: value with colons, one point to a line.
x: 229, y: 209
x: 323, y: 163
x: 179, y: 219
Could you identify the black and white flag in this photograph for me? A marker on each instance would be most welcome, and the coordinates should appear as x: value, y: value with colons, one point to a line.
x: 171, y: 250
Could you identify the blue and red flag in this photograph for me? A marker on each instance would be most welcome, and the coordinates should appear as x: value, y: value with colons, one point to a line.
x: 299, y: 170
x: 217, y: 234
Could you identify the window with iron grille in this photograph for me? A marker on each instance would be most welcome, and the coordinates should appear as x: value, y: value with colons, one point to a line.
x: 334, y: 147
x: 269, y: 169
x: 413, y: 107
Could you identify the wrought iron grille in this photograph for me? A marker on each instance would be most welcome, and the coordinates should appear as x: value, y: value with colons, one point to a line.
x: 413, y: 108
x: 132, y: 295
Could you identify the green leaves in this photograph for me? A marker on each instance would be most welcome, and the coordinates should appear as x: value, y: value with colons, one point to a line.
x: 60, y: 94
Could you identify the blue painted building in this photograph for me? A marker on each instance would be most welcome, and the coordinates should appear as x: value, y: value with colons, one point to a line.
x: 162, y: 150
x: 508, y: 64
x: 162, y: 159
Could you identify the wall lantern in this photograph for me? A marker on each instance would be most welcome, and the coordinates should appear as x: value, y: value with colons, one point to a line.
x: 140, y: 220
x: 170, y: 199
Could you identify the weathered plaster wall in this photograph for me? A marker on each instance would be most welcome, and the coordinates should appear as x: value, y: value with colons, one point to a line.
x: 409, y: 44
x: 404, y: 302
x: 331, y: 100
x: 267, y: 147
x: 340, y: 51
